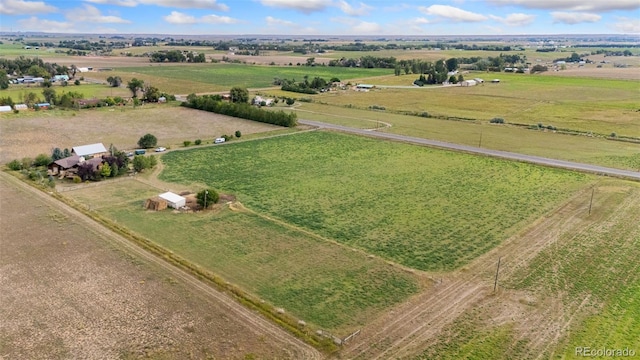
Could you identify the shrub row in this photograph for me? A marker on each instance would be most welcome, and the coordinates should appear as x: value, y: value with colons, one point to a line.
x: 242, y: 110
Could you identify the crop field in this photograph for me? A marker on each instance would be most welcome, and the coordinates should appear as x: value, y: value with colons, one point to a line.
x: 182, y: 79
x: 88, y: 91
x: 584, y: 104
x: 581, y: 290
x: 29, y: 133
x: 313, y: 279
x: 420, y: 207
x: 592, y: 150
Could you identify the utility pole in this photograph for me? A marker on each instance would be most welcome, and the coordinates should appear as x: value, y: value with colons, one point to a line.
x: 495, y: 283
x: 205, y: 198
x: 593, y: 190
x: 480, y: 142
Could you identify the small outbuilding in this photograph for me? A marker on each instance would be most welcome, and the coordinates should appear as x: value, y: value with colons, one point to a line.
x: 174, y: 200
x: 20, y: 107
x: 96, y: 149
x: 5, y: 108
x: 468, y: 83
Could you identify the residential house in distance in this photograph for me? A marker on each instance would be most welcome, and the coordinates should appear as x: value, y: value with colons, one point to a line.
x: 95, y: 150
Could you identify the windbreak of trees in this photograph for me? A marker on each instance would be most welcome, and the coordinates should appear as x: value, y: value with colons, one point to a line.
x: 32, y: 66
x: 368, y: 62
x: 214, y: 103
x: 177, y: 56
x: 304, y: 87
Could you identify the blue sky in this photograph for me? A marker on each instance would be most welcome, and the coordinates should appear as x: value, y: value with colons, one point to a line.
x: 323, y: 17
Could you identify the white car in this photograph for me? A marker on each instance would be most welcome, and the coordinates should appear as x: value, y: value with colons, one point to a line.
x: 161, y: 149
x: 219, y: 140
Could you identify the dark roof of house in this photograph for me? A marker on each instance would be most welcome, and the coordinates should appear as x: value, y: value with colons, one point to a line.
x: 95, y: 162
x: 68, y: 162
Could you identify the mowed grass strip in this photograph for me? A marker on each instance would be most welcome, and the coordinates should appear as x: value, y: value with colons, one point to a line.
x: 316, y: 281
x: 424, y: 208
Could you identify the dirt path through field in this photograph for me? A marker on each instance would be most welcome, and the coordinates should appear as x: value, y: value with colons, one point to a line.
x: 295, y: 348
x: 412, y: 326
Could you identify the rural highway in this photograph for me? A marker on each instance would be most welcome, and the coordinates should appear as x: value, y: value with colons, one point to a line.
x: 595, y: 169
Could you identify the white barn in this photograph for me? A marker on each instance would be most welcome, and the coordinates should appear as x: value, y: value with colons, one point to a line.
x: 5, y: 108
x: 96, y: 149
x: 174, y: 200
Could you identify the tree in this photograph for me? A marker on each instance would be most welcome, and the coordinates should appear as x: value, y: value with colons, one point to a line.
x: 140, y: 163
x: 114, y: 81
x: 42, y: 160
x: 147, y: 141
x: 50, y: 96
x: 134, y: 85
x: 238, y: 133
x: 207, y: 197
x: 311, y: 61
x: 106, y: 170
x: 57, y: 154
x: 239, y: 94
x: 290, y: 101
x: 38, y: 71
x: 77, y: 82
x: 85, y: 171
x: 4, y: 80
x: 452, y: 64
x: 30, y: 98
x: 151, y: 93
x: 66, y: 152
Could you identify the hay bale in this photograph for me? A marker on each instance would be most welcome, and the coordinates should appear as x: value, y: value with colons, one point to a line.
x: 155, y: 203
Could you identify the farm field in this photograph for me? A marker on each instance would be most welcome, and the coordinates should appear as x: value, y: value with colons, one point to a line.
x: 29, y: 134
x: 88, y: 91
x: 393, y: 200
x: 182, y: 79
x: 579, y: 291
x: 311, y: 278
x: 592, y: 150
x: 67, y: 291
x: 585, y: 104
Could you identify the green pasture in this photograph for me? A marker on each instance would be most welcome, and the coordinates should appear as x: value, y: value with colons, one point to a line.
x: 88, y: 91
x: 423, y: 208
x: 185, y: 79
x: 312, y: 279
x: 585, y: 104
x: 592, y: 150
x: 14, y: 50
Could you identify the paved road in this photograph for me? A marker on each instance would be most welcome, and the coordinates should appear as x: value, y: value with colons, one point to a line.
x: 600, y: 170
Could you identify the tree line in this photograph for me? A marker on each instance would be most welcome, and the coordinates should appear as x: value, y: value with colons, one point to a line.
x: 177, y: 56
x: 241, y: 109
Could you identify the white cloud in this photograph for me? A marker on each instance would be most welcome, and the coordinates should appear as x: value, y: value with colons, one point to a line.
x: 178, y: 18
x: 627, y: 25
x: 21, y: 7
x: 572, y: 18
x: 35, y: 24
x: 517, y: 19
x: 364, y: 9
x: 216, y: 19
x: 418, y: 21
x: 92, y: 14
x: 452, y: 13
x: 305, y: 6
x: 271, y: 21
x: 365, y: 27
x: 183, y: 4
x: 573, y: 5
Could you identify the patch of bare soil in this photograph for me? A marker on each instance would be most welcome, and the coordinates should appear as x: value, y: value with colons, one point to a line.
x: 68, y: 292
x: 413, y: 326
x: 609, y: 72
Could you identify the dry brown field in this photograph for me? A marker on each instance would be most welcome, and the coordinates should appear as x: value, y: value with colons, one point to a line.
x: 69, y: 292
x: 28, y: 136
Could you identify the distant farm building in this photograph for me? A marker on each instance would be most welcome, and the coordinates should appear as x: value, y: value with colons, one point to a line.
x: 364, y: 87
x: 174, y: 200
x: 64, y: 164
x: 20, y: 106
x: 479, y: 81
x: 84, y: 69
x: 42, y: 106
x: 495, y: 81
x: 90, y: 150
x: 60, y: 78
x: 5, y: 108
x: 468, y: 83
x: 258, y: 100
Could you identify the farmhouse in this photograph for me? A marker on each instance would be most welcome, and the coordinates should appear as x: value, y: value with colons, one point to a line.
x: 89, y: 150
x: 173, y: 200
x: 64, y: 164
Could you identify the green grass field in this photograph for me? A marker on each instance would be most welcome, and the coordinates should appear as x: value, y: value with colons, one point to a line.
x: 89, y: 91
x: 183, y: 79
x: 312, y: 279
x: 586, y: 104
x: 417, y: 206
x: 591, y: 150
